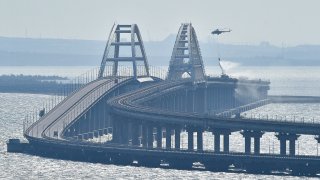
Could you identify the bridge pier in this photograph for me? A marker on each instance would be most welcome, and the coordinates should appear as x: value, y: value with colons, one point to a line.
x: 190, y: 131
x: 150, y: 136
x: 190, y: 139
x: 116, y: 130
x: 177, y: 132
x: 199, y: 139
x: 95, y: 117
x: 283, y: 138
x: 226, y: 141
x: 256, y: 135
x: 216, y: 142
x: 144, y: 135
x: 135, y: 134
x: 217, y: 138
x: 257, y: 144
x: 292, y: 147
x: 168, y: 137
x: 124, y: 137
x: 159, y: 137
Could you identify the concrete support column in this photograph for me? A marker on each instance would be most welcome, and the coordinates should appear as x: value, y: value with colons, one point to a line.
x: 150, y: 136
x: 168, y: 137
x: 135, y: 134
x: 292, y: 147
x: 144, y: 135
x: 248, y: 134
x: 199, y: 140
x: 177, y: 132
x: 124, y: 126
x: 283, y: 138
x: 159, y: 137
x: 116, y: 131
x: 226, y: 142
x: 190, y: 140
x: 217, y: 142
x: 257, y: 145
x: 217, y: 139
x: 119, y: 131
x: 247, y: 144
x: 283, y: 148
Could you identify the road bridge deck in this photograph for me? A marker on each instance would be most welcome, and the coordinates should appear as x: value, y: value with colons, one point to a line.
x: 71, y: 107
x: 127, y: 105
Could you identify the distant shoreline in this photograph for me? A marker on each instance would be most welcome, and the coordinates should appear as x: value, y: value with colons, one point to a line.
x: 34, y: 84
x: 69, y: 52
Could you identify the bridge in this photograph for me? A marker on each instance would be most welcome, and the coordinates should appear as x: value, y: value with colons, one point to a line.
x: 138, y: 117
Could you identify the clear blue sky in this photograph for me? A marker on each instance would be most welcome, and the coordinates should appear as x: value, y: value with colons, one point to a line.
x: 289, y: 22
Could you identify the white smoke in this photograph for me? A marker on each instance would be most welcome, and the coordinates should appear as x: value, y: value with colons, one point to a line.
x: 228, y: 65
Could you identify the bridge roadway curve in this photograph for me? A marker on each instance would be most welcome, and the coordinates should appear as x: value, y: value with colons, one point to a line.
x: 129, y: 105
x: 70, y: 108
x: 40, y: 133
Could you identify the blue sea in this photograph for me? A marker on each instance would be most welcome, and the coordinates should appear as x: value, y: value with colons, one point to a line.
x: 284, y: 81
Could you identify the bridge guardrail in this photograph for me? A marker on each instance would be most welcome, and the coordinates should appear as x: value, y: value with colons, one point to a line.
x: 74, y: 85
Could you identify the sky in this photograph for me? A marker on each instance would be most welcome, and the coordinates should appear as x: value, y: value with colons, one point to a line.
x: 280, y: 22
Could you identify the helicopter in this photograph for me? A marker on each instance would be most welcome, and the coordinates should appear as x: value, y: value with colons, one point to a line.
x: 220, y: 31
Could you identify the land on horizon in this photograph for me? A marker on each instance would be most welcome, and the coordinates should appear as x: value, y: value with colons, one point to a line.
x: 71, y: 52
x: 34, y: 84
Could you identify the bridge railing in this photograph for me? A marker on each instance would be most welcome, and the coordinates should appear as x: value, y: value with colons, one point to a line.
x: 69, y: 87
x: 281, y: 118
x: 65, y: 88
x: 271, y: 118
x: 83, y: 106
